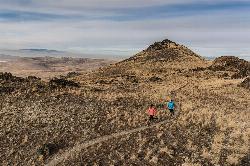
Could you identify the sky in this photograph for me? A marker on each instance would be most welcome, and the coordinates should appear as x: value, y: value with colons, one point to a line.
x: 124, y: 27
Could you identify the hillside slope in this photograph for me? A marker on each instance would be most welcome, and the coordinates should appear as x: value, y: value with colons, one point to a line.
x: 99, y: 118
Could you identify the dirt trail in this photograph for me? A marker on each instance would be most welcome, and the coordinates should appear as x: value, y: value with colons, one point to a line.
x: 77, y: 149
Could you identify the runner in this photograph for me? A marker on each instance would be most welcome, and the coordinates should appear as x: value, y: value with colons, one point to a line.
x: 171, y: 106
x: 151, y: 112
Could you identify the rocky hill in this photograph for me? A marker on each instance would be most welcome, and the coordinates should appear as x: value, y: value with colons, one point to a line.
x: 166, y: 50
x: 98, y: 118
x: 161, y: 59
x: 240, y: 67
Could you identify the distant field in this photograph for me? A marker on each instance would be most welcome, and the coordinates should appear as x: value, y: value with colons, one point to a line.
x: 48, y: 67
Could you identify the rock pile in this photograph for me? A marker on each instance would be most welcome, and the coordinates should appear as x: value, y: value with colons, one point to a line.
x: 62, y: 83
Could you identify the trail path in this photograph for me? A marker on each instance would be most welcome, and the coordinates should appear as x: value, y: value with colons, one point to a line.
x: 77, y: 149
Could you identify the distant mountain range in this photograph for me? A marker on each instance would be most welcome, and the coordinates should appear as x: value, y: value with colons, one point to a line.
x: 42, y: 50
x: 34, y: 52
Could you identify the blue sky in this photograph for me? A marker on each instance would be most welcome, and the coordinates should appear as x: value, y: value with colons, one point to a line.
x: 119, y: 27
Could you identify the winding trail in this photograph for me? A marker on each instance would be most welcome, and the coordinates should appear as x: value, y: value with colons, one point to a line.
x: 77, y: 149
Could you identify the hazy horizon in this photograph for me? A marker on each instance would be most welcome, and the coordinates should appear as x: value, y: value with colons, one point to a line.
x: 27, y: 53
x: 122, y: 28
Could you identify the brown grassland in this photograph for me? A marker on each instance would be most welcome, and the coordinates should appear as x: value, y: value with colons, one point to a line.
x: 98, y: 118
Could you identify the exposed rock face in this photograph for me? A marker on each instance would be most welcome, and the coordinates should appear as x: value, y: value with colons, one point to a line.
x: 234, y: 64
x: 10, y: 83
x: 9, y: 77
x: 246, y: 83
x: 162, y: 45
x: 166, y: 50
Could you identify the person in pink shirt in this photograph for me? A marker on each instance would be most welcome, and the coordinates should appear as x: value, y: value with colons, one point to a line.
x: 151, y: 112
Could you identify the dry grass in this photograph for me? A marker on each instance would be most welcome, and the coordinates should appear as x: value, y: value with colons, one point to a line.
x: 211, y: 125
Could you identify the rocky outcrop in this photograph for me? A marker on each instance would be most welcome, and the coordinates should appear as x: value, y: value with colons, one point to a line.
x: 9, y: 77
x: 9, y: 83
x: 62, y: 83
x: 31, y: 84
x: 162, y: 45
x: 234, y: 64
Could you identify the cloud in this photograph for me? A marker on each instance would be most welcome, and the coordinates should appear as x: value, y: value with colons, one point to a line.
x: 106, y: 4
x: 96, y: 7
x: 125, y: 27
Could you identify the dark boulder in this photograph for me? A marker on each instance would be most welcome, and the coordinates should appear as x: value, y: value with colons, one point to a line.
x: 246, y: 83
x: 155, y: 79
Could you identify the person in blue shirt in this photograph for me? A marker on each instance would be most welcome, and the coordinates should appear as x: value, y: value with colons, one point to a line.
x: 171, y: 106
